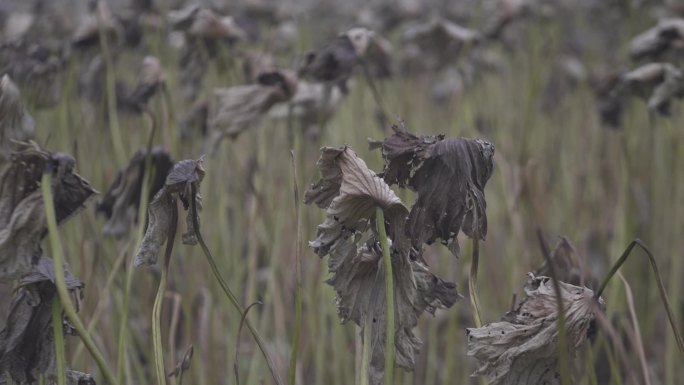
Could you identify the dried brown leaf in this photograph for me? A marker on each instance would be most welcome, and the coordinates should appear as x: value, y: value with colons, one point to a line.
x: 15, y: 121
x: 652, y: 43
x: 22, y: 213
x: 523, y: 347
x: 183, y: 177
x: 659, y: 83
x: 449, y: 176
x: 26, y: 343
x: 239, y: 108
x: 121, y: 202
x: 350, y: 193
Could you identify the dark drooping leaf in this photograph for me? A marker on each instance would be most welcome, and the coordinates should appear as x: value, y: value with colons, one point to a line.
x: 26, y: 343
x: 522, y: 349
x: 652, y: 43
x: 449, y: 175
x: 658, y: 83
x: 350, y: 193
x: 239, y: 108
x: 150, y: 80
x: 22, y: 213
x: 336, y: 62
x: 185, y: 176
x: 38, y: 68
x: 121, y: 202
x: 15, y: 121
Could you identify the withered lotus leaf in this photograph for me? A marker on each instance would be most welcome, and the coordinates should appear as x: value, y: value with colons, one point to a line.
x: 150, y: 80
x: 655, y: 41
x: 121, y: 202
x: 22, y: 213
x: 239, y: 108
x: 350, y: 193
x: 27, y: 343
x: 185, y: 176
x: 449, y: 175
x: 335, y: 63
x: 522, y: 349
x: 15, y: 121
x: 659, y: 83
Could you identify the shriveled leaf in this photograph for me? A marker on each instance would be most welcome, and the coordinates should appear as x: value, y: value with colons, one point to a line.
x: 335, y: 63
x: 522, y: 348
x: 121, y: 202
x: 22, y: 213
x: 350, y: 193
x: 239, y: 108
x: 15, y: 121
x: 568, y: 265
x: 26, y: 343
x: 439, y: 40
x: 150, y: 80
x: 100, y: 18
x: 449, y: 176
x: 314, y: 104
x: 652, y: 43
x: 659, y: 83
x: 183, y: 177
x: 37, y: 68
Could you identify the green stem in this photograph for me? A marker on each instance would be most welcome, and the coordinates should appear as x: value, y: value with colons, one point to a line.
x: 142, y: 222
x: 389, y: 292
x: 292, y: 370
x: 110, y: 83
x: 159, y: 302
x: 472, y: 283
x: 659, y: 281
x: 58, y: 332
x: 226, y: 290
x: 365, y: 354
x: 61, y: 284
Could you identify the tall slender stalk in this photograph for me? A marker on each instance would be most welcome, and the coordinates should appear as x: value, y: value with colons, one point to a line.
x: 563, y: 358
x: 160, y: 370
x: 62, y: 290
x: 58, y: 333
x: 389, y: 292
x: 292, y: 370
x: 659, y: 281
x: 365, y: 353
x: 472, y: 278
x: 110, y: 86
x: 226, y: 290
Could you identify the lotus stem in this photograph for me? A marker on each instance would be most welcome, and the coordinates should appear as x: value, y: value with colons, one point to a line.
x: 562, y: 335
x: 389, y: 292
x: 226, y: 290
x: 292, y: 370
x: 159, y: 302
x: 365, y: 354
x: 58, y: 333
x: 62, y: 291
x: 659, y: 281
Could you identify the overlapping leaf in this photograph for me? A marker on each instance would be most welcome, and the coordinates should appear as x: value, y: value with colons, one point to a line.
x: 449, y: 175
x: 184, y: 177
x: 239, y: 108
x: 22, y: 213
x: 26, y: 343
x: 522, y: 348
x: 121, y: 202
x: 350, y: 193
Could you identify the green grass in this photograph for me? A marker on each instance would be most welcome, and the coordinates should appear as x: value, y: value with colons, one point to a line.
x: 556, y: 168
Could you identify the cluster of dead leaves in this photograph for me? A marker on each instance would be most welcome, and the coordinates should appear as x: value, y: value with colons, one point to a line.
x: 523, y: 347
x: 26, y: 343
x: 350, y: 194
